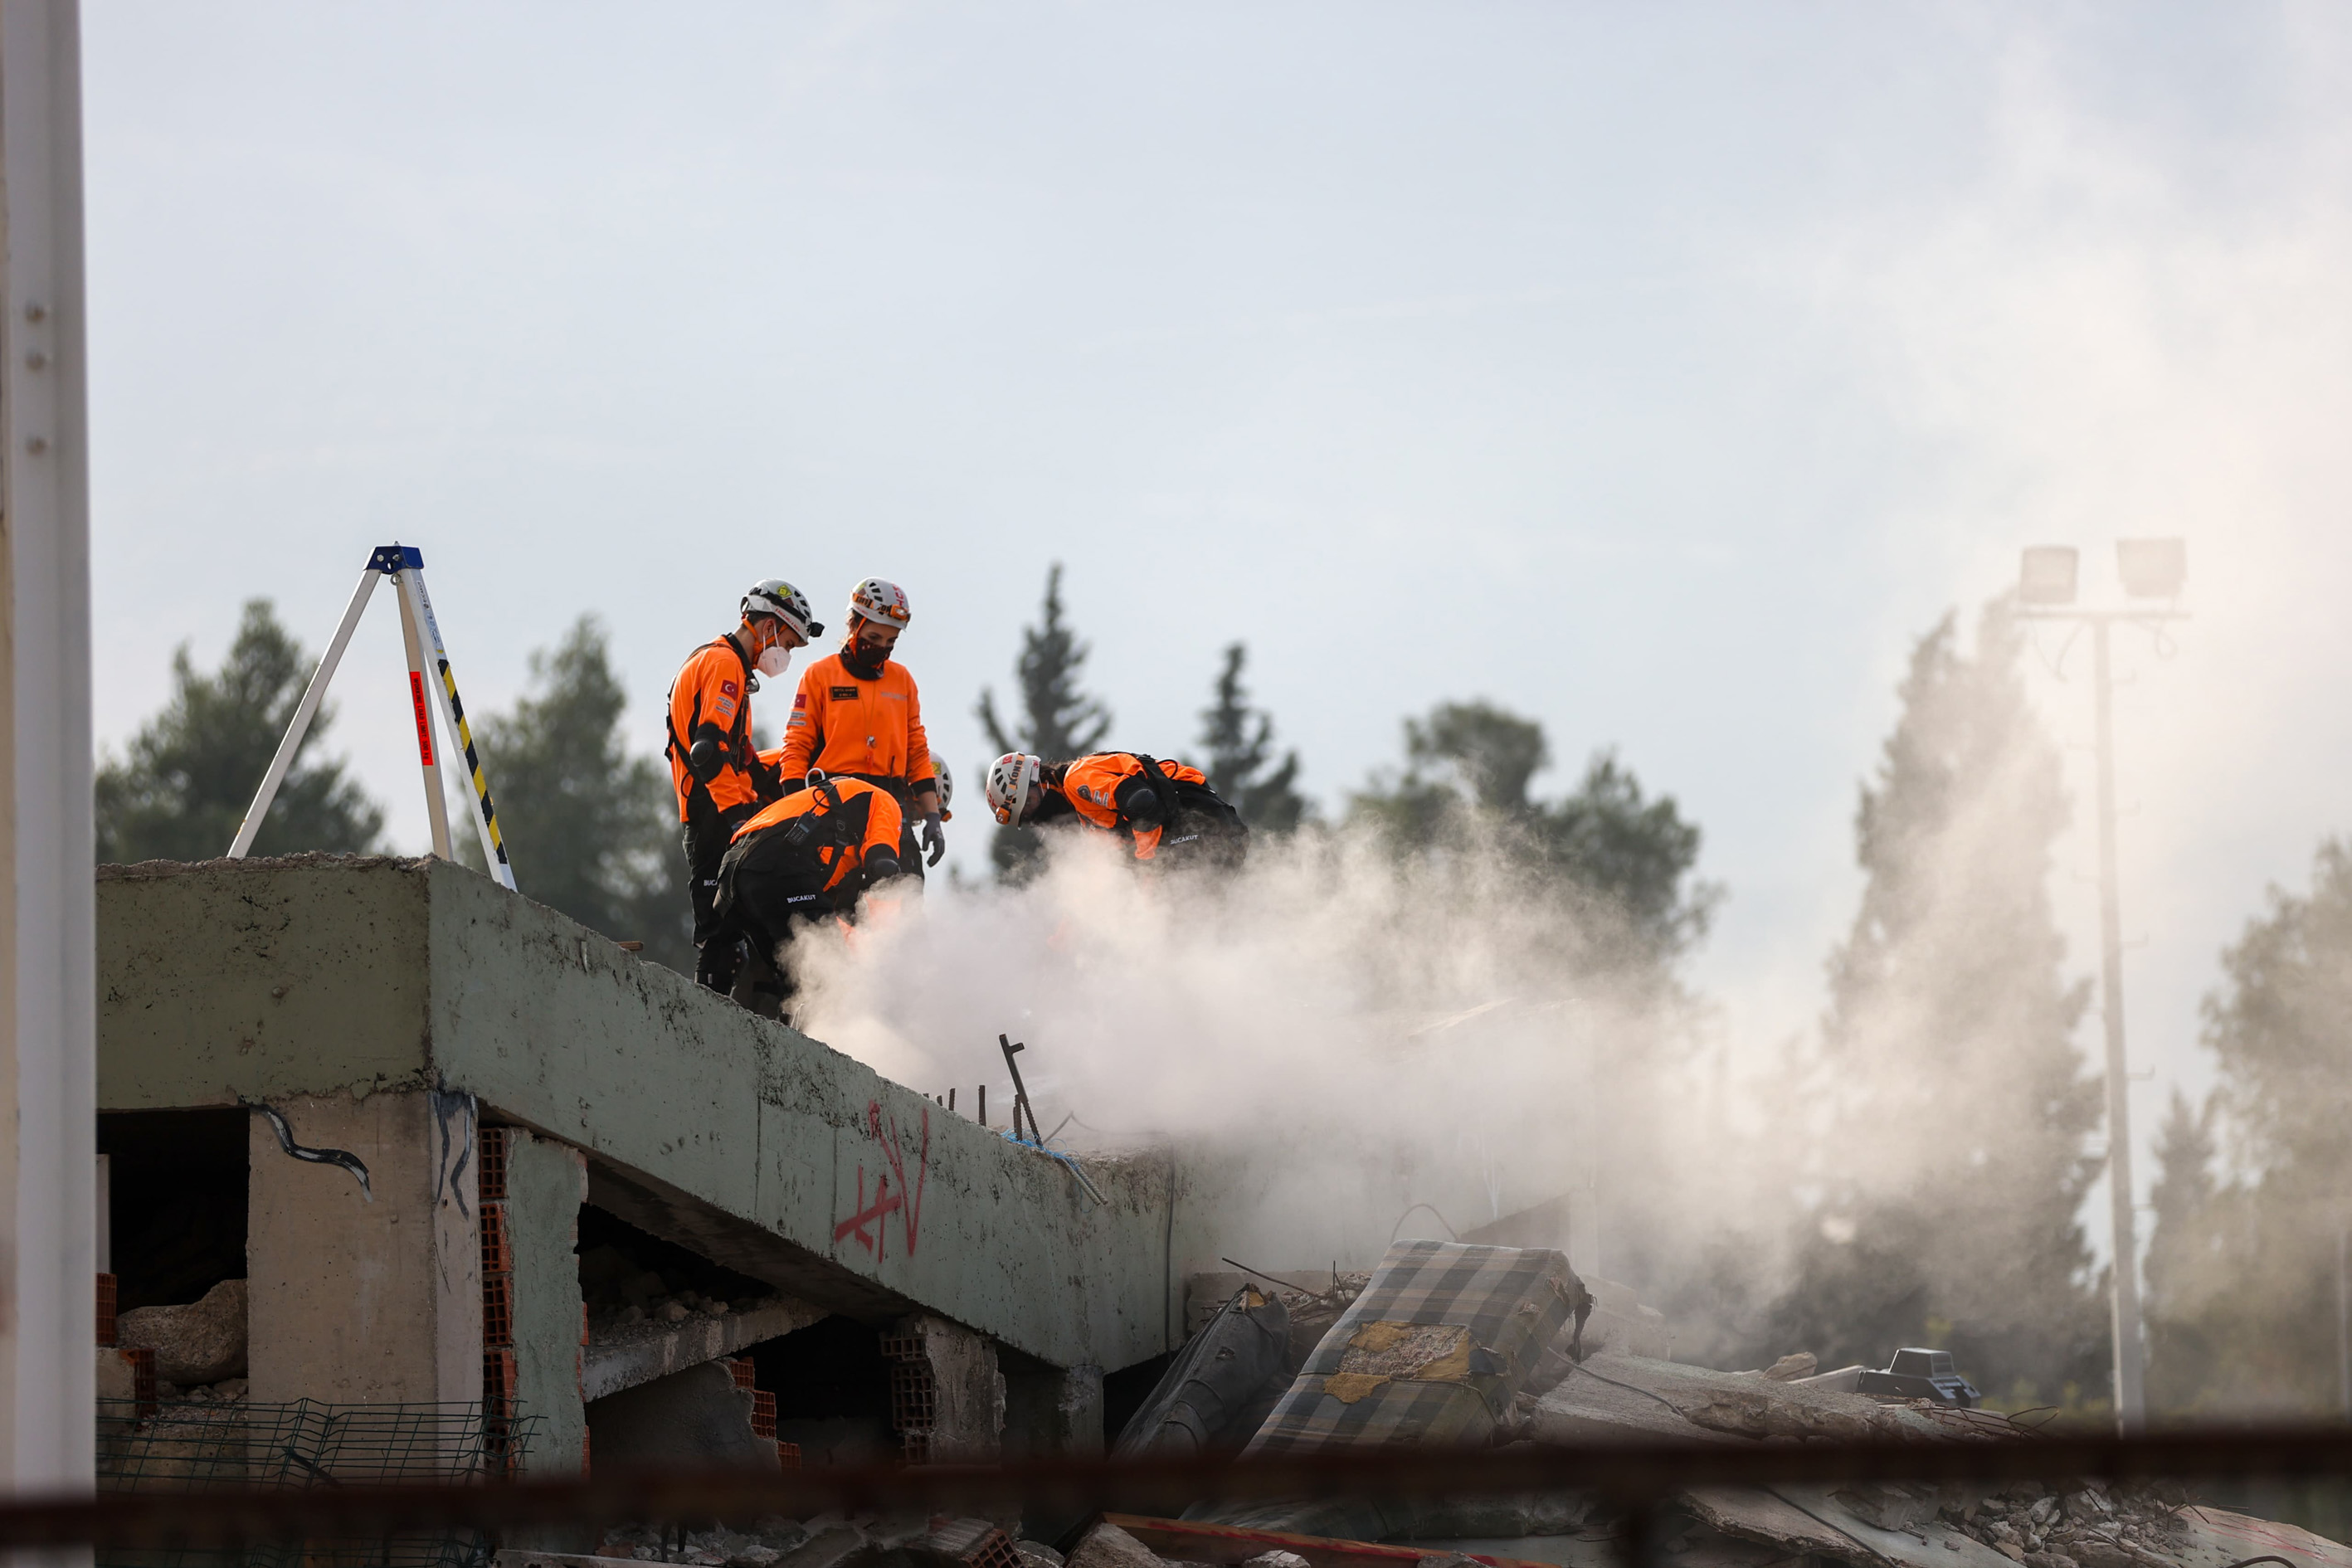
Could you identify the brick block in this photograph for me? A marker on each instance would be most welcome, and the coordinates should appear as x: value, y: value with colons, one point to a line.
x: 491, y: 1177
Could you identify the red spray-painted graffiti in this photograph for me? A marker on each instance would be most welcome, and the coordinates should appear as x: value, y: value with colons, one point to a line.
x: 866, y: 1223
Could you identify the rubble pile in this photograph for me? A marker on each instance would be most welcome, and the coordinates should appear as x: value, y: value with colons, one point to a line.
x: 828, y: 1541
x: 1502, y: 1348
x: 621, y: 1294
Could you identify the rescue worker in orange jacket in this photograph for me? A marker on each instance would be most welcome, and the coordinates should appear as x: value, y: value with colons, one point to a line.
x: 719, y: 779
x: 808, y: 855
x: 858, y: 715
x: 1164, y: 808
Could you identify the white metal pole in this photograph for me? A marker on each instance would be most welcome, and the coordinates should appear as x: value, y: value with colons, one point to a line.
x: 2131, y: 1400
x: 436, y: 804
x: 304, y: 712
x: 49, y: 1079
x: 453, y: 714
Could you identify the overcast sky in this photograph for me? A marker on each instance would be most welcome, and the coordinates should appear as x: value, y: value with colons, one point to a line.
x: 1661, y: 371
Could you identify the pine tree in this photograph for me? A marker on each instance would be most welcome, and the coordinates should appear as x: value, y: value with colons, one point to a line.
x: 2246, y: 1303
x: 1953, y: 1160
x: 1237, y: 741
x: 182, y: 788
x: 1059, y: 721
x: 2179, y: 1272
x: 590, y: 830
x: 1470, y: 768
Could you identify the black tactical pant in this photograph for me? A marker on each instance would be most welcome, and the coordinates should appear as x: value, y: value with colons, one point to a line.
x: 705, y: 839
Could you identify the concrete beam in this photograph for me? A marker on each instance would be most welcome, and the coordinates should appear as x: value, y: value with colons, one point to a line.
x: 627, y: 1355
x: 757, y: 1146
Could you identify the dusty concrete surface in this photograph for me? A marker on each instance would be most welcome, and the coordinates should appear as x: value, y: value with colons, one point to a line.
x: 752, y: 1144
x: 259, y: 978
x: 358, y: 1301
x: 546, y: 1183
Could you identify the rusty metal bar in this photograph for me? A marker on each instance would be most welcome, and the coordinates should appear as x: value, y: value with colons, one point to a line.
x: 1630, y: 1478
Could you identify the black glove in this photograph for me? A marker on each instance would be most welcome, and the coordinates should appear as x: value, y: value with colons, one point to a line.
x: 935, y: 842
x: 880, y: 868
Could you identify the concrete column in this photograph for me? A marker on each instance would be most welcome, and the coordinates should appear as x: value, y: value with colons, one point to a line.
x: 969, y: 1427
x: 355, y: 1300
x: 546, y: 1183
x: 1052, y: 1411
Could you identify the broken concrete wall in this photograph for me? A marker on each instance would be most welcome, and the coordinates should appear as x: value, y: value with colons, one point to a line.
x: 693, y: 1417
x: 737, y: 1136
x: 352, y: 1301
x: 546, y: 1183
x: 965, y: 1391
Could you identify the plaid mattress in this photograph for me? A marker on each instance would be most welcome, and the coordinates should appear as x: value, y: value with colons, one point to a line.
x: 1431, y: 1352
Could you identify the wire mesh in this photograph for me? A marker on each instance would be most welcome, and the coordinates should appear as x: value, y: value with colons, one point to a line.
x: 198, y: 1447
x: 106, y: 1303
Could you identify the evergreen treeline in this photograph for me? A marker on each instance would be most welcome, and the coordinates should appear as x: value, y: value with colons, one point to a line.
x: 1944, y: 1125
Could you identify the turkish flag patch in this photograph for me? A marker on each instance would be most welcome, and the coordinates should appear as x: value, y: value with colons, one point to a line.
x: 728, y: 686
x: 800, y: 699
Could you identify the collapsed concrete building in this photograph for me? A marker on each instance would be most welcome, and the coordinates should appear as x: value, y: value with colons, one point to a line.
x: 382, y: 1136
x: 671, y: 1182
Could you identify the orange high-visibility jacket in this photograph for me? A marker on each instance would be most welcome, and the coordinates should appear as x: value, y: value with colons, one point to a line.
x: 871, y: 817
x: 870, y: 728
x: 713, y: 688
x: 1092, y: 784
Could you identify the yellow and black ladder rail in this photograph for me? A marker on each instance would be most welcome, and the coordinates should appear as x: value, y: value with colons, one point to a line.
x: 405, y: 565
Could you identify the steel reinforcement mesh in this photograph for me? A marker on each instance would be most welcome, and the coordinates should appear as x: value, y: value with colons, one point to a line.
x: 194, y: 1446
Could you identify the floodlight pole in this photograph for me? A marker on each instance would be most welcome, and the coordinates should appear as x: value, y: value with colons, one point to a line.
x: 2130, y: 1354
x: 2131, y: 1393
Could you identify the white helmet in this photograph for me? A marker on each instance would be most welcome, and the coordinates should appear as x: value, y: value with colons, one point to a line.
x: 945, y: 780
x: 1008, y: 780
x: 774, y: 597
x: 881, y: 601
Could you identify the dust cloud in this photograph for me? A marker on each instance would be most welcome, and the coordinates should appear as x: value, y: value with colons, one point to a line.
x: 1366, y: 1044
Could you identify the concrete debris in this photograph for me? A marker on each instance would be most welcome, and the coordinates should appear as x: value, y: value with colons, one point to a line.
x: 1791, y: 1368
x: 200, y: 1342
x: 1109, y: 1546
x: 695, y: 1416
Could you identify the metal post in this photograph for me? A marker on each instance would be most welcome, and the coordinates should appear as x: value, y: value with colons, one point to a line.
x: 49, y: 1055
x: 2343, y: 1325
x: 437, y: 805
x: 2131, y: 1399
x: 304, y: 711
